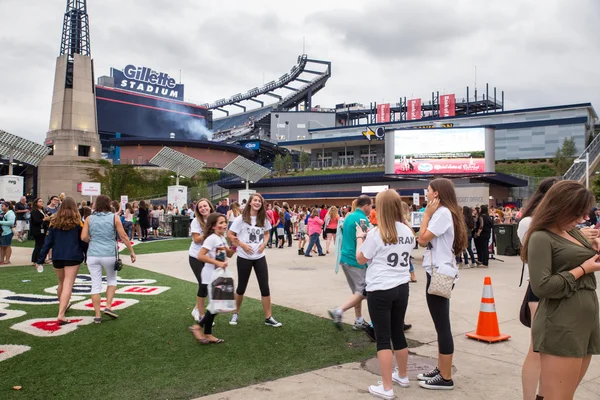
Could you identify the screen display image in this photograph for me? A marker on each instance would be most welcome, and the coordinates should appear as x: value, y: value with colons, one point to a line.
x: 439, y: 151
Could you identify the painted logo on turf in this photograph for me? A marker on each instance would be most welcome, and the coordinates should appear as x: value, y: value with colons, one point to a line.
x: 78, y: 288
x: 117, y: 304
x: 9, y: 314
x: 11, y: 350
x: 85, y: 278
x: 143, y: 290
x: 48, y: 327
x: 6, y: 296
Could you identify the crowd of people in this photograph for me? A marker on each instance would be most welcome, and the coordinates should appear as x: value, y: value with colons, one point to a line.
x: 373, y: 245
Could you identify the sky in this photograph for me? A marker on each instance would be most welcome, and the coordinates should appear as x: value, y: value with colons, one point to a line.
x: 540, y: 52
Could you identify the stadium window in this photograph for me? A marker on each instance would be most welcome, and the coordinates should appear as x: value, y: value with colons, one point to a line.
x: 83, y: 151
x: 51, y: 147
x: 281, y: 137
x: 301, y: 137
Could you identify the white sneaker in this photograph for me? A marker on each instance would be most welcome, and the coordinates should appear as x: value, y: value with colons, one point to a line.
x: 402, y: 381
x: 272, y: 322
x: 39, y: 268
x: 196, y: 314
x: 234, y: 319
x: 358, y: 324
x: 380, y: 392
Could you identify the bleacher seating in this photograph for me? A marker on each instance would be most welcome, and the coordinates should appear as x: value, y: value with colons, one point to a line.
x: 238, y: 120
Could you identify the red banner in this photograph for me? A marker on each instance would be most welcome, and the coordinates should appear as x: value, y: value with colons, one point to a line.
x: 410, y: 166
x: 413, y: 109
x: 447, y: 105
x: 383, y: 113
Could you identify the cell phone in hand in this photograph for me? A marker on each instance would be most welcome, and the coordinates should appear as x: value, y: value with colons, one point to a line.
x: 220, y: 256
x: 362, y: 225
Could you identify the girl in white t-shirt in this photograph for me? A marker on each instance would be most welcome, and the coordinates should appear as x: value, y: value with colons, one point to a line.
x: 444, y: 233
x: 248, y: 233
x: 203, y: 209
x: 387, y: 249
x: 213, y: 254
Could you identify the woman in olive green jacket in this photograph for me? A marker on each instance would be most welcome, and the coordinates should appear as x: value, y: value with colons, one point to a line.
x: 562, y: 262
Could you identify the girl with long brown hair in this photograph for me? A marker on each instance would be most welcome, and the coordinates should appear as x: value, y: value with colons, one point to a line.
x: 64, y: 238
x: 387, y: 249
x: 248, y: 233
x: 198, y: 228
x: 444, y: 234
x: 562, y: 262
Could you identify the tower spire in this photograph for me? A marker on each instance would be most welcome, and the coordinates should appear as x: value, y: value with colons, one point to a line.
x: 76, y: 30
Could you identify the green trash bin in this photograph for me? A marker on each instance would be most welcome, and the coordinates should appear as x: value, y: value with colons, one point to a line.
x: 181, y: 226
x: 506, y: 237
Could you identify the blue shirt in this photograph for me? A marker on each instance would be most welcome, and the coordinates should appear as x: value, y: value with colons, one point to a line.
x: 8, y: 221
x: 103, y: 241
x: 349, y: 238
x: 65, y: 245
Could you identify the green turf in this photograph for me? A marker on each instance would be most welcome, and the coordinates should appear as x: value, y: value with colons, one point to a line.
x: 160, y: 246
x: 148, y: 352
x: 28, y: 243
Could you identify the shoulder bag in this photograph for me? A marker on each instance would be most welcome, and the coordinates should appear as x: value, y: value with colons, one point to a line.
x: 441, y: 285
x: 118, y: 262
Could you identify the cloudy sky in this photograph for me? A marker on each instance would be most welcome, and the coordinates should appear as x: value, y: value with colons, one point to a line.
x: 540, y: 52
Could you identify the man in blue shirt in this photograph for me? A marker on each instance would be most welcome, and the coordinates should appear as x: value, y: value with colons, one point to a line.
x: 355, y: 272
x: 223, y: 208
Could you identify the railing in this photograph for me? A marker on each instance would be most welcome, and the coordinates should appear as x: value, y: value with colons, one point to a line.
x: 577, y: 171
x: 374, y: 162
x: 526, y: 192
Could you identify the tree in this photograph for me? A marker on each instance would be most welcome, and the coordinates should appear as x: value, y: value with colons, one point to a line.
x: 304, y: 160
x: 278, y: 165
x: 115, y: 180
x: 564, y: 156
x: 209, y: 175
x: 287, y: 162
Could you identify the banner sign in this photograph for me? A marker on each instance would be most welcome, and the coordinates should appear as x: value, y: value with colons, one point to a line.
x: 177, y: 196
x: 383, y: 113
x: 124, y: 201
x: 416, y: 199
x: 145, y: 80
x: 90, y: 188
x: 374, y: 189
x: 413, y: 109
x: 447, y: 105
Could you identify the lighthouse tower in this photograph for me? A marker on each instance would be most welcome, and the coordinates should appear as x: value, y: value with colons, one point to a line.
x: 73, y: 131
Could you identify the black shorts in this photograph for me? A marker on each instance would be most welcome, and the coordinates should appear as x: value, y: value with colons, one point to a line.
x: 60, y: 264
x: 531, y: 297
x: 330, y: 230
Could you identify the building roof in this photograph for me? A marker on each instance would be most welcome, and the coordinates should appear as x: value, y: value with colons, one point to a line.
x: 496, y: 178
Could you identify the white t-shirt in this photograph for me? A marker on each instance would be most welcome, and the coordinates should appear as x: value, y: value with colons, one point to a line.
x: 522, y: 230
x: 252, y: 235
x: 439, y: 250
x: 195, y: 247
x: 388, y: 264
x: 212, y: 244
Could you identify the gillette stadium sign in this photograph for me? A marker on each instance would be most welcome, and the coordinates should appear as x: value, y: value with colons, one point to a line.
x: 147, y: 81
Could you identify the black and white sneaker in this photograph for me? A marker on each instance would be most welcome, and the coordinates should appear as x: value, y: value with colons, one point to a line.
x: 437, y: 383
x: 429, y: 375
x: 271, y: 322
x: 369, y: 331
x: 336, y: 317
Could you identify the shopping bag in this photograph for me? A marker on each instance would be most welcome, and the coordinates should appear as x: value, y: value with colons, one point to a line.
x: 221, y: 292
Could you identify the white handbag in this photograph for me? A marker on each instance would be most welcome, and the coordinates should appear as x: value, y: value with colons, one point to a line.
x: 440, y: 285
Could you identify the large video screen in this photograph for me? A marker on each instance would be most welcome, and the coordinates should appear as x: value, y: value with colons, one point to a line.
x: 439, y: 151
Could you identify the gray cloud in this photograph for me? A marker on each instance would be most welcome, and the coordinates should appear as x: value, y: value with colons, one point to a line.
x: 541, y: 52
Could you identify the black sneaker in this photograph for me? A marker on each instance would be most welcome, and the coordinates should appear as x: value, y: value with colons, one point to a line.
x: 271, y: 322
x: 437, y: 383
x: 369, y: 331
x: 429, y: 375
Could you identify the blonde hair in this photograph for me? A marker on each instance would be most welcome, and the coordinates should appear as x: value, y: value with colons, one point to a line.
x: 406, y: 213
x: 333, y: 212
x: 389, y: 211
x: 354, y: 204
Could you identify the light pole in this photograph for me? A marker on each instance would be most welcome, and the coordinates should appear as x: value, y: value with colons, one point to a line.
x: 585, y: 160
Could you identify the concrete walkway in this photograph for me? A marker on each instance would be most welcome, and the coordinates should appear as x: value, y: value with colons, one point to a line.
x: 311, y: 285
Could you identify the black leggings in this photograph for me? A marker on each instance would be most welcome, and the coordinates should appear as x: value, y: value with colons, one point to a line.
x: 288, y: 232
x: 439, y: 308
x: 261, y: 270
x: 207, y: 322
x: 197, y: 266
x: 387, y: 309
x: 483, y: 252
x: 39, y: 243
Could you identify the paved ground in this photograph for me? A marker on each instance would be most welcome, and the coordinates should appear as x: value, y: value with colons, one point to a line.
x: 311, y: 285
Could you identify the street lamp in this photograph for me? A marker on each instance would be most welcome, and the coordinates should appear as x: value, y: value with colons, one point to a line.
x: 585, y: 160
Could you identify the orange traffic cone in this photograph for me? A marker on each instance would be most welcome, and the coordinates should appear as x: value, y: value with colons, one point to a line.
x: 487, y: 324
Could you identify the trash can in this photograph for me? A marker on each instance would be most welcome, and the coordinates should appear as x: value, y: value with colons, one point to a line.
x: 506, y: 239
x: 181, y: 226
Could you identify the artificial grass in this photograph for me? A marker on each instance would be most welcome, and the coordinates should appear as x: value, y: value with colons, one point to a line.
x: 160, y: 246
x: 28, y: 243
x: 148, y: 352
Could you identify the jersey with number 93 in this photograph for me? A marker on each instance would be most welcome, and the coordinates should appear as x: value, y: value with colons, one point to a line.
x: 388, y: 263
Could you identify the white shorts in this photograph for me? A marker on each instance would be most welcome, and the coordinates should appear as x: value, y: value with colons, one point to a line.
x: 95, y: 265
x: 22, y: 225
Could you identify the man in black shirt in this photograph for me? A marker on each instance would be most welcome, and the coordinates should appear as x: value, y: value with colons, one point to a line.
x: 223, y: 208
x: 22, y: 214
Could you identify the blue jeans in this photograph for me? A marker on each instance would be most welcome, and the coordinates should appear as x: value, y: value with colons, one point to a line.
x: 314, y: 239
x: 468, y: 252
x: 412, y: 267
